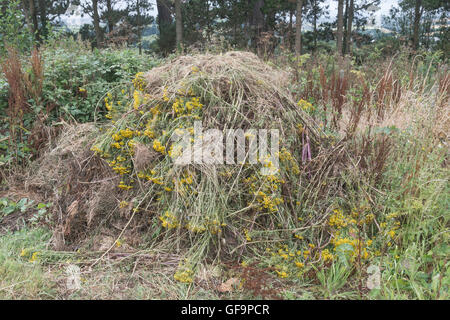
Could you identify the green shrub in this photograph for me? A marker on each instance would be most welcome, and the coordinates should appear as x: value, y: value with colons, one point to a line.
x: 76, y: 79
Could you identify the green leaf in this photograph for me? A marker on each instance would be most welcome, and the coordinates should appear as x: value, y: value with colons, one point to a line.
x: 3, y: 202
x: 9, y: 210
x: 41, y: 205
x: 22, y: 202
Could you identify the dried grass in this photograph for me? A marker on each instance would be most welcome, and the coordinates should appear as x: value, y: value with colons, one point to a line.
x: 79, y: 184
x: 241, y: 90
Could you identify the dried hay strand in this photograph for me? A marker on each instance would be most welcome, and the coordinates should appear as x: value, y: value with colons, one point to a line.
x: 75, y: 180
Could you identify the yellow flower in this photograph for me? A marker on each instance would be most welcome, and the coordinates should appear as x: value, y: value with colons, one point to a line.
x: 169, y: 221
x: 34, y: 256
x: 123, y: 186
x: 139, y: 81
x: 123, y: 204
x: 282, y: 274
x: 158, y: 147
x: 127, y: 133
x: 184, y: 274
x: 136, y: 99
x: 247, y: 236
x: 305, y: 105
x: 326, y: 255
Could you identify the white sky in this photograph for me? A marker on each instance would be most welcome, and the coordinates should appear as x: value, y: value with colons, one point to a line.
x: 385, y: 5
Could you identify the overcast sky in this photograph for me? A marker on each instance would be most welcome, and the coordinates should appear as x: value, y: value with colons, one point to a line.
x: 385, y: 6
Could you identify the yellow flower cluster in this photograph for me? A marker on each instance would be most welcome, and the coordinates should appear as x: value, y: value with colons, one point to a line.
x: 123, y: 204
x: 182, y: 106
x: 282, y: 274
x: 286, y: 157
x: 123, y: 186
x: 127, y: 133
x: 305, y: 105
x: 166, y: 95
x: 158, y: 146
x: 184, y: 274
x: 247, y: 235
x: 136, y: 99
x: 150, y: 127
x: 139, y: 81
x: 268, y: 202
x: 338, y: 219
x: 169, y: 221
x: 188, y: 179
x: 34, y: 256
x: 327, y: 255
x: 108, y: 102
x: 120, y: 170
x: 357, y: 247
x: 289, y: 261
x: 268, y: 194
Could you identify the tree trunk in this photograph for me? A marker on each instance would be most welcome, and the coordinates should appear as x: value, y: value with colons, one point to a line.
x: 257, y: 20
x: 33, y: 16
x: 26, y: 12
x: 96, y: 18
x: 139, y: 25
x: 179, y: 25
x: 348, y: 38
x: 340, y: 25
x: 315, y: 24
x: 43, y: 16
x: 344, y: 37
x: 269, y: 22
x: 298, y: 28
x: 109, y: 18
x: 291, y: 17
x: 164, y: 16
x: 417, y: 16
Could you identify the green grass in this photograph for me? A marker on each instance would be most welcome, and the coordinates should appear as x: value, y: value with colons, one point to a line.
x: 19, y: 277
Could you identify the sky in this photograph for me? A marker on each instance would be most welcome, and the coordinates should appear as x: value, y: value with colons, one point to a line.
x: 385, y: 6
